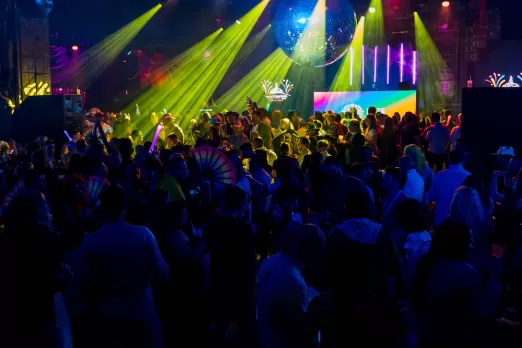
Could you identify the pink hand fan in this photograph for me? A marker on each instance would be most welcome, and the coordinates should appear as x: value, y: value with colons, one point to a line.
x: 215, y: 165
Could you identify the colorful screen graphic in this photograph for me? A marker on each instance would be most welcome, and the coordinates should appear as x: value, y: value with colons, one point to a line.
x: 387, y: 102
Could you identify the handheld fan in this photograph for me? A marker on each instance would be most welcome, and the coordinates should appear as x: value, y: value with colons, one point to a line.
x: 215, y: 165
x: 93, y: 188
x: 17, y: 189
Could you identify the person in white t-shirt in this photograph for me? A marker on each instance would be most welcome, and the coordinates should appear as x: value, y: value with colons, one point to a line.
x: 282, y: 293
x: 113, y: 279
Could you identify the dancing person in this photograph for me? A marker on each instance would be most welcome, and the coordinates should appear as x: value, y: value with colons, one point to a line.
x: 113, y: 279
x: 371, y: 133
x: 282, y: 292
x: 411, y: 132
x: 436, y: 135
x: 455, y: 134
x: 444, y: 185
x: 387, y: 143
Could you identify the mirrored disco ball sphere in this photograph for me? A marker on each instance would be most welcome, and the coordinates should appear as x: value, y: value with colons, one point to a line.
x: 290, y: 29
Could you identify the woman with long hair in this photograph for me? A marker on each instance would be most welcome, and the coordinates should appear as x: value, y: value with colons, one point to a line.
x: 388, y: 144
x: 467, y: 208
x: 421, y: 164
x: 30, y: 268
x: 247, y: 126
x: 371, y: 133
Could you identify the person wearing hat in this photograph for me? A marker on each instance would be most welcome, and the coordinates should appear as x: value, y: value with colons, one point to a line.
x: 502, y: 178
x: 313, y: 134
x: 504, y: 155
x: 171, y: 126
x: 237, y: 138
x: 214, y: 138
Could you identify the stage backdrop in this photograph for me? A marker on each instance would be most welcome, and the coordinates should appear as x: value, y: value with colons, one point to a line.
x: 386, y: 102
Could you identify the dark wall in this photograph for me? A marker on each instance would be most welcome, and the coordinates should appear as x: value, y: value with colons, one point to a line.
x: 503, y: 57
x: 492, y: 117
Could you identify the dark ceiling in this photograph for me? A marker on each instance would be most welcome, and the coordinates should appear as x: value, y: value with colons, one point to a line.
x: 178, y: 20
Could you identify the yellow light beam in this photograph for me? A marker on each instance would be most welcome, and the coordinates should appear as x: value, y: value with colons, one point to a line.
x: 249, y: 47
x: 95, y: 60
x: 431, y: 67
x: 196, y: 90
x: 374, y: 25
x: 311, y: 46
x: 348, y: 77
x: 176, y: 68
x: 274, y: 69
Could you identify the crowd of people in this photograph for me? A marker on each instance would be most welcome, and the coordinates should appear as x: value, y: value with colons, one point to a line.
x: 335, y: 231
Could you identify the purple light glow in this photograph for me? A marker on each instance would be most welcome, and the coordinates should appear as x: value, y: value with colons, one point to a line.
x: 375, y: 65
x: 363, y: 64
x: 414, y: 69
x: 155, y: 139
x: 444, y: 26
x: 388, y: 66
x: 402, y: 62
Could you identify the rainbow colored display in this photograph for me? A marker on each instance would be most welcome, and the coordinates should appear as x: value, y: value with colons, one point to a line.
x: 386, y: 102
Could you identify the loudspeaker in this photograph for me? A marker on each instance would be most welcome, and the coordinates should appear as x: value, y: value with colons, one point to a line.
x: 491, y: 117
x: 48, y: 115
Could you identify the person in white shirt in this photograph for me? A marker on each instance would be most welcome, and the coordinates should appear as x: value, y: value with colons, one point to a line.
x: 282, y: 293
x: 455, y: 134
x: 445, y: 184
x: 259, y: 144
x: 113, y: 276
x: 414, y: 184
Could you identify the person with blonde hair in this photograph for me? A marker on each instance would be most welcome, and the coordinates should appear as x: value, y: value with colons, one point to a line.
x: 467, y: 208
x: 285, y: 125
x: 421, y: 165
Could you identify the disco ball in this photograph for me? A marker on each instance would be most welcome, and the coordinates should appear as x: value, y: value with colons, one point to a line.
x: 296, y: 33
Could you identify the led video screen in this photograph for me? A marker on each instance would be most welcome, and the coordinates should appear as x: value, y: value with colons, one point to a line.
x: 387, y: 102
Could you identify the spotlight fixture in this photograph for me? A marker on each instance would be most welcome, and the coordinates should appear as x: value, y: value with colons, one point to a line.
x: 75, y: 48
x: 445, y: 4
x: 372, y: 9
x: 237, y: 21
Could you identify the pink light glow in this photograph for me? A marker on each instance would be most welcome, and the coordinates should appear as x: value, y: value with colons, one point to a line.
x: 402, y: 62
x: 362, y: 64
x: 375, y: 65
x: 388, y: 66
x: 414, y: 72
